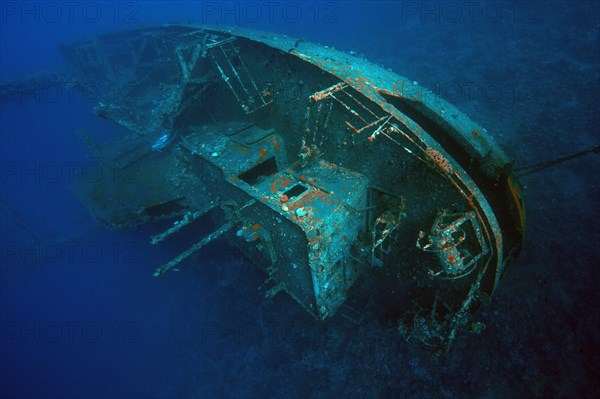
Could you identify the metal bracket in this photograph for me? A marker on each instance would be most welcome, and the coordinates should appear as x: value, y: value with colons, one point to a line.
x: 446, y: 239
x: 225, y: 56
x: 342, y: 94
x: 384, y: 232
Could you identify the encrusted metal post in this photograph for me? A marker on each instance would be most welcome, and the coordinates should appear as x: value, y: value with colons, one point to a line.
x: 187, y: 219
x: 193, y: 249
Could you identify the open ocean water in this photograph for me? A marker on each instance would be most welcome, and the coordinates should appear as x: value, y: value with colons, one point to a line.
x: 82, y: 317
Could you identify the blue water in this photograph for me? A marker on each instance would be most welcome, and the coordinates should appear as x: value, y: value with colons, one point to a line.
x: 82, y: 316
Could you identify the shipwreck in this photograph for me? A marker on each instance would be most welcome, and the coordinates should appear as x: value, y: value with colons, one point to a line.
x: 318, y: 165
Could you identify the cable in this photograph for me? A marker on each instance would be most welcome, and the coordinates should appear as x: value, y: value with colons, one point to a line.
x: 530, y: 169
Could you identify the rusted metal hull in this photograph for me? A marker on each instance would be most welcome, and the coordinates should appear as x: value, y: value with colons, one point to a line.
x: 319, y: 165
